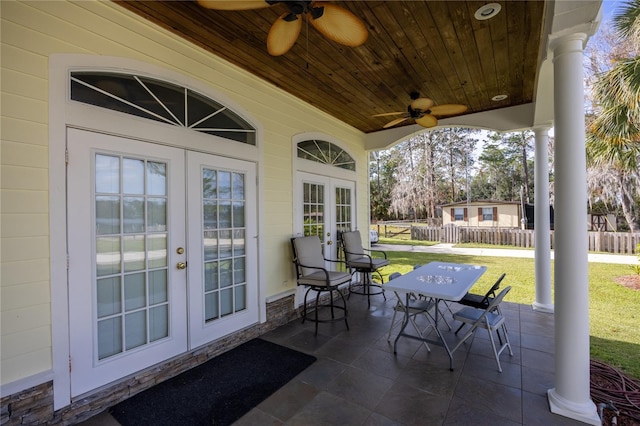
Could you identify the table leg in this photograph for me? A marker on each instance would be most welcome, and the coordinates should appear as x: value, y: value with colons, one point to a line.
x: 444, y: 342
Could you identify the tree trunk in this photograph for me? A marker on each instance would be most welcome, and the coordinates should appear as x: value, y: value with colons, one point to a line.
x: 627, y: 202
x: 525, y: 167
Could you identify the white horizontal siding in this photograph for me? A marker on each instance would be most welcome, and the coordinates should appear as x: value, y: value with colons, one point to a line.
x: 23, y: 273
x: 27, y: 342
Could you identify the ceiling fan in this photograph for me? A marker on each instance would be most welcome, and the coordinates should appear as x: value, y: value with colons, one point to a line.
x: 423, y: 111
x: 334, y: 22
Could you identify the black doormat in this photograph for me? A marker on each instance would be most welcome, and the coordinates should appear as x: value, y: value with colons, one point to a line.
x: 218, y: 392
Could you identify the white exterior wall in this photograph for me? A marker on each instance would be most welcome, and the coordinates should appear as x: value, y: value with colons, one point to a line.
x: 31, y: 31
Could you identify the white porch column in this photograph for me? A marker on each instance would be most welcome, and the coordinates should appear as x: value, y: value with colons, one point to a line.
x: 543, y: 301
x: 570, y: 396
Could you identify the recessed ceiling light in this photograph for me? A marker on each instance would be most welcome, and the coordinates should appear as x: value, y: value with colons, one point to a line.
x: 487, y: 11
x: 497, y: 98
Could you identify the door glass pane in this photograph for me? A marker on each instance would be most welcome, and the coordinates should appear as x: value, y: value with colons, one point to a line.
x: 136, y: 326
x: 131, y: 262
x: 210, y: 242
x: 133, y: 214
x: 134, y: 292
x: 238, y: 242
x: 313, y: 208
x: 209, y: 184
x: 210, y: 276
x: 157, y: 250
x: 211, y: 311
x: 224, y: 185
x: 226, y: 301
x: 156, y: 178
x: 107, y: 215
x: 240, y: 297
x: 158, y: 322
x: 224, y: 246
x: 109, y: 337
x: 157, y: 220
x: 158, y: 286
x: 107, y: 255
x: 238, y: 214
x: 343, y: 209
x: 109, y: 296
x: 224, y: 212
x: 226, y: 273
x: 238, y: 270
x: 238, y: 186
x: 107, y: 174
x: 133, y: 179
x: 224, y: 243
x: 133, y: 246
x: 210, y: 213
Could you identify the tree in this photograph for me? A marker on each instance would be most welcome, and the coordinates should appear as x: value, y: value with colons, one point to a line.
x: 428, y: 170
x: 382, y: 178
x: 504, y: 166
x: 613, y: 128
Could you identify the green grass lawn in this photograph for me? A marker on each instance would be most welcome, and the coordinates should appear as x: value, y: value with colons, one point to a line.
x: 614, y: 309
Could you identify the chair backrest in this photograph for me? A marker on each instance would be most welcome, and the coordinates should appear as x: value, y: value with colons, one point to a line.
x: 498, y: 299
x: 307, y: 251
x: 352, y: 245
x: 492, y: 291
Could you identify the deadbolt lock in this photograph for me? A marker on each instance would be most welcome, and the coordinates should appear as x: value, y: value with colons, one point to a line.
x: 180, y: 250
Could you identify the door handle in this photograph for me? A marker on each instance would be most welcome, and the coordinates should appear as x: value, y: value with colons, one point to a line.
x: 181, y: 265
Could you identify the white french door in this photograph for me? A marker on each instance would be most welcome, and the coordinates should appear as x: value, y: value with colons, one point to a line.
x: 223, y: 290
x: 162, y: 253
x: 324, y: 207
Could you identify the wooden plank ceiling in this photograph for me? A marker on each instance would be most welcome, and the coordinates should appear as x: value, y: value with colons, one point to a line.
x: 436, y: 48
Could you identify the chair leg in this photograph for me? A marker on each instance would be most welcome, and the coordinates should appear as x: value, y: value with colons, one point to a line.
x: 344, y: 304
x: 317, y: 299
x: 415, y: 326
x: 393, y: 321
x: 506, y: 338
x: 331, y: 303
x: 304, y: 305
x: 459, y: 328
x: 493, y: 346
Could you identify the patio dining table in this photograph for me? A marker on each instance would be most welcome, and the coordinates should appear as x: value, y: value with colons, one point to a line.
x: 440, y: 281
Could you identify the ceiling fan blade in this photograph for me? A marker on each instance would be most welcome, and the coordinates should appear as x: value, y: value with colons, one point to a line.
x: 448, y: 109
x: 339, y: 24
x: 233, y: 5
x: 282, y: 35
x: 386, y: 114
x: 427, y: 120
x: 421, y: 104
x: 394, y: 122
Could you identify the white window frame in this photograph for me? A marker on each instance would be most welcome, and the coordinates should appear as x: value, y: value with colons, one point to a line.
x: 487, y: 214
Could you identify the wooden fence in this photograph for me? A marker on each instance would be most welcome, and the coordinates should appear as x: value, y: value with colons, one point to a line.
x: 599, y: 241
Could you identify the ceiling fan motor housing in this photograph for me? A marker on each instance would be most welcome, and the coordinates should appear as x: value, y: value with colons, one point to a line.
x: 298, y: 8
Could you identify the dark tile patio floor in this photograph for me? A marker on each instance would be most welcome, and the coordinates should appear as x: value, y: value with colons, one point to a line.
x: 357, y: 379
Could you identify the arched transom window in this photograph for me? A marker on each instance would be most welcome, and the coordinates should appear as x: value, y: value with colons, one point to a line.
x: 160, y: 101
x: 326, y: 153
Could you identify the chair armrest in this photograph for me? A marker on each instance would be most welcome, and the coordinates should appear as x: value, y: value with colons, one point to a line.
x: 384, y: 253
x: 300, y: 265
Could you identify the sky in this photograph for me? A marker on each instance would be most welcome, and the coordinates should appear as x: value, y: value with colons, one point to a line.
x: 609, y: 7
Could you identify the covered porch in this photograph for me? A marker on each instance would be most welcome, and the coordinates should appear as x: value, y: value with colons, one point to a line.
x: 357, y: 379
